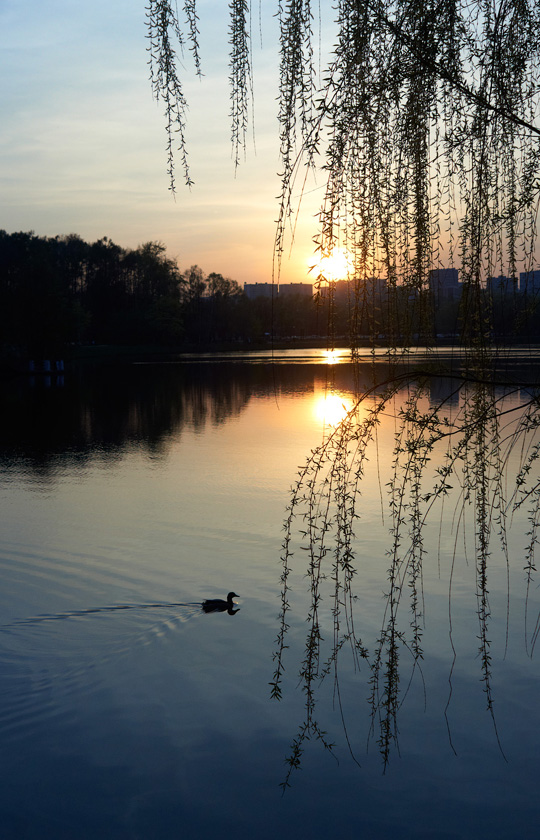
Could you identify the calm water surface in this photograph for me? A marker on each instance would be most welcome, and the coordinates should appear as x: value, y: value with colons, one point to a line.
x: 129, y: 495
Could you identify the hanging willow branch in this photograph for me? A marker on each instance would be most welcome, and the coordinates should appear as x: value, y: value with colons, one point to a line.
x: 163, y: 27
x: 240, y: 76
x: 163, y: 31
x: 424, y: 122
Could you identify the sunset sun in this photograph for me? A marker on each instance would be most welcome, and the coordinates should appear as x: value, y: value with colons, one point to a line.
x: 336, y: 265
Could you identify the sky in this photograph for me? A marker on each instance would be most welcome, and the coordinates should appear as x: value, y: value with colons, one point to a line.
x: 82, y: 141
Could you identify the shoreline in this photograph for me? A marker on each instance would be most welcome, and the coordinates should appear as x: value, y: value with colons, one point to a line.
x: 281, y: 352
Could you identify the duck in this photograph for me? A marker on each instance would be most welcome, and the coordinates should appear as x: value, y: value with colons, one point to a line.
x: 218, y: 605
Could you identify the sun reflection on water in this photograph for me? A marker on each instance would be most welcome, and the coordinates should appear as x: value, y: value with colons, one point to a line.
x: 331, y: 357
x: 331, y: 408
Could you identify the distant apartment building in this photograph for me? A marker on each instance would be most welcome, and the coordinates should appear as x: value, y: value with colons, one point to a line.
x: 288, y: 289
x: 374, y: 288
x: 444, y: 284
x: 343, y: 290
x: 377, y: 287
x: 529, y: 282
x: 501, y: 286
x: 255, y: 290
x: 268, y: 290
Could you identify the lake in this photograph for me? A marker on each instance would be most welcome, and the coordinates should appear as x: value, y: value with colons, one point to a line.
x: 132, y: 493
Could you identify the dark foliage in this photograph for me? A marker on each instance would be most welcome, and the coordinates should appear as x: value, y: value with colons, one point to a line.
x: 62, y: 291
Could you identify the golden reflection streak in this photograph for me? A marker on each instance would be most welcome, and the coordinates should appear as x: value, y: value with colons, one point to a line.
x: 332, y: 356
x: 331, y: 408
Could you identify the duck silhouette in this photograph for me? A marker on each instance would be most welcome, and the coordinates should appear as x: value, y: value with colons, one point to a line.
x: 218, y: 605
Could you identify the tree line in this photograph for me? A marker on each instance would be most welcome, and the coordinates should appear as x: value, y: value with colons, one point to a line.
x: 60, y: 291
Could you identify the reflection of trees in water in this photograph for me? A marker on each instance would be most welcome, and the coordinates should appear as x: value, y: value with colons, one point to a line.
x: 101, y: 412
x: 465, y: 455
x: 104, y: 411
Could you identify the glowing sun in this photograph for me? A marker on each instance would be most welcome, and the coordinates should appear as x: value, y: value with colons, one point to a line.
x: 336, y: 265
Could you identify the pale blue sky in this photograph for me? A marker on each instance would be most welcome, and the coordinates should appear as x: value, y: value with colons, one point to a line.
x: 82, y: 142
